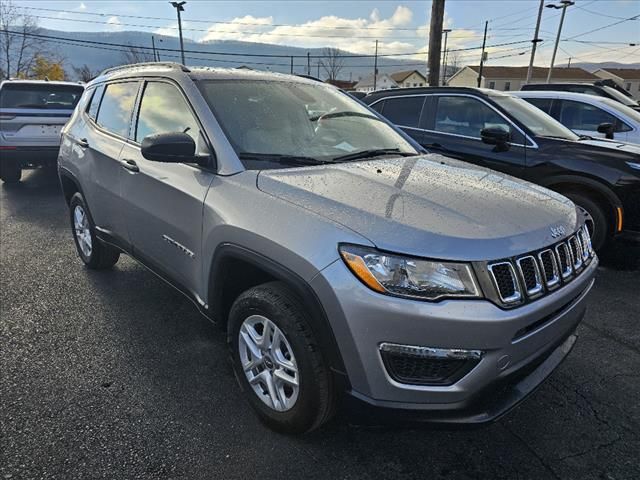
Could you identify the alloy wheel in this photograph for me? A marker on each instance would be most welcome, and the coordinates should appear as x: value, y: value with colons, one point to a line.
x: 588, y: 221
x: 82, y: 231
x: 268, y: 363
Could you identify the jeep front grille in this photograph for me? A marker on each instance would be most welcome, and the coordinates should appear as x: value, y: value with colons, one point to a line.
x: 530, y: 276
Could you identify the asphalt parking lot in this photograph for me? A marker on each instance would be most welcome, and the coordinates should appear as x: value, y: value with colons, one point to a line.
x: 115, y: 375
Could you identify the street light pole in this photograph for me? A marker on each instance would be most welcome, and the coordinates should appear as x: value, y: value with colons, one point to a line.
x: 444, y: 55
x: 179, y: 8
x: 535, y: 42
x: 563, y: 5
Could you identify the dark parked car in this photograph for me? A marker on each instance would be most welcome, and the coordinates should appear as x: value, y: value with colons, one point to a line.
x: 600, y: 89
x: 499, y: 131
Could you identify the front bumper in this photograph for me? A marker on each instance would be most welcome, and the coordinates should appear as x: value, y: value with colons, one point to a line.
x: 362, y: 319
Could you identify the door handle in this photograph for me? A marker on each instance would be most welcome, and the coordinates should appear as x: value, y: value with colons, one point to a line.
x: 83, y: 143
x: 130, y: 165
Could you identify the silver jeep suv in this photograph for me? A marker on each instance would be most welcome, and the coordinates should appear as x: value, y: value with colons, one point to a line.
x: 342, y: 259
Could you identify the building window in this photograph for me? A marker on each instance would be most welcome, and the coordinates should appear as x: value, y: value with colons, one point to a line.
x: 628, y: 86
x: 507, y: 86
x: 492, y: 85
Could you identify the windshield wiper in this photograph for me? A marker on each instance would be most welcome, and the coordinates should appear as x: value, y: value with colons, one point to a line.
x: 281, y: 158
x: 378, y: 152
x: 327, y: 116
x: 584, y: 137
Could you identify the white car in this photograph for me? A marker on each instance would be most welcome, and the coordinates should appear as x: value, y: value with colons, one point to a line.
x: 588, y: 114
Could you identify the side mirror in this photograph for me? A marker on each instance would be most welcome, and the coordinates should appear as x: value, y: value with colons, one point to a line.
x: 607, y: 129
x: 495, y: 136
x: 173, y: 147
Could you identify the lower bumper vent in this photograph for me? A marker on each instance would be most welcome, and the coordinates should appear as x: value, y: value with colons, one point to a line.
x: 427, y: 366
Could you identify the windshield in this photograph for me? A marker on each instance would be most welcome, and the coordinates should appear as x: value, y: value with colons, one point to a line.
x: 265, y: 120
x: 42, y: 96
x: 620, y: 97
x: 541, y: 124
x: 623, y: 109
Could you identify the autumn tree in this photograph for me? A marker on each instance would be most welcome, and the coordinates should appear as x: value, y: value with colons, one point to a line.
x: 332, y: 62
x: 44, y: 68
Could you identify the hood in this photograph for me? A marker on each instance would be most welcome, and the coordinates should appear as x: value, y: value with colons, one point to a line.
x: 430, y: 206
x: 613, y: 144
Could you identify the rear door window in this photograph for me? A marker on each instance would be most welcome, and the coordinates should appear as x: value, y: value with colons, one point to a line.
x: 404, y: 111
x: 116, y: 107
x: 40, y: 95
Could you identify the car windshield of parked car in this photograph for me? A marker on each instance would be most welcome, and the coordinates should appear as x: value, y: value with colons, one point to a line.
x: 620, y: 97
x: 541, y: 124
x: 271, y: 120
x: 42, y: 96
x: 623, y: 109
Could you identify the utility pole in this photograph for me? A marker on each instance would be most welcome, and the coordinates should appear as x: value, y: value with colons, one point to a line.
x: 569, y: 63
x: 291, y: 64
x: 375, y: 67
x: 308, y: 64
x: 444, y: 55
x: 153, y: 45
x: 563, y: 5
x: 179, y: 8
x: 318, y: 65
x: 435, y: 41
x: 484, y: 43
x: 535, y: 42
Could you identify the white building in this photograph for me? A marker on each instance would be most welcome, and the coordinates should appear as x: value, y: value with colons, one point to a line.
x: 512, y: 78
x: 383, y: 82
x: 409, y: 78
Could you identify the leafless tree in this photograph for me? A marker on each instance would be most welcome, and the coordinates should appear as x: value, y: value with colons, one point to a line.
x: 137, y: 55
x: 18, y: 50
x: 84, y: 73
x: 332, y: 62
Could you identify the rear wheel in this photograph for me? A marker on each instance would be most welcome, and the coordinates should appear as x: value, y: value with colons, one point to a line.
x: 277, y: 360
x: 94, y: 253
x: 10, y: 171
x: 595, y: 218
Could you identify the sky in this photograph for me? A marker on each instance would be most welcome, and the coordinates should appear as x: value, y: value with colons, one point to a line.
x: 399, y: 26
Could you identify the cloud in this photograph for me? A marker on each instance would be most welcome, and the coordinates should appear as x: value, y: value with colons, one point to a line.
x: 114, y: 24
x: 82, y: 6
x: 322, y: 32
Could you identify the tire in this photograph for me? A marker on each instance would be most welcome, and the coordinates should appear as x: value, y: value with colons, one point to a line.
x: 314, y: 402
x: 94, y: 253
x: 595, y: 218
x: 10, y: 171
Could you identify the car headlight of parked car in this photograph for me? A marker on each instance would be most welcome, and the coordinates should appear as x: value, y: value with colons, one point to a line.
x: 410, y: 277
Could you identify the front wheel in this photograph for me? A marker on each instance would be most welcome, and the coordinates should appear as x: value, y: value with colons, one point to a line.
x: 595, y: 219
x: 277, y: 360
x: 94, y: 253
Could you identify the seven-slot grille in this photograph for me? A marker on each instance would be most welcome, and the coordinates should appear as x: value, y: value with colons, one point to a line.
x: 530, y: 275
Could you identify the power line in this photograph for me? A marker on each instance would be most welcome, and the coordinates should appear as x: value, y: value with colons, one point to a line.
x: 261, y: 55
x: 635, y: 17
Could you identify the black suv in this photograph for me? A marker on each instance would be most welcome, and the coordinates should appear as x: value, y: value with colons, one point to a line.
x: 499, y: 131
x: 601, y: 88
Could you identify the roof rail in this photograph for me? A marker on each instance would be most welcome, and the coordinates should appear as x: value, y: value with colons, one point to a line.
x: 146, y: 64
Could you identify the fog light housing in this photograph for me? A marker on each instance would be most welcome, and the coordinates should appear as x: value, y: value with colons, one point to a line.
x: 414, y: 365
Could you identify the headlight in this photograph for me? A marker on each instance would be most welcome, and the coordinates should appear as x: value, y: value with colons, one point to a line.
x: 410, y: 277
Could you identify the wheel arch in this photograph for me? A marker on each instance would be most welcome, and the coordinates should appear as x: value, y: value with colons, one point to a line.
x: 69, y: 184
x: 235, y: 269
x: 595, y: 189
